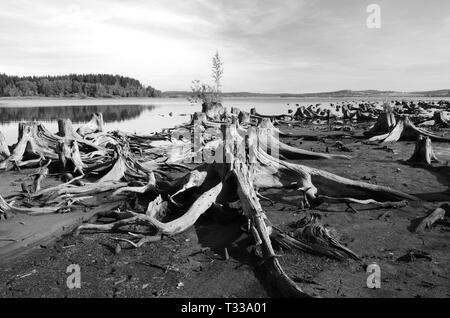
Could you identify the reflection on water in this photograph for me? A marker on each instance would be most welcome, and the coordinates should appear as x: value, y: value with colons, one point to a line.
x: 77, y: 114
x: 140, y: 115
x: 139, y: 118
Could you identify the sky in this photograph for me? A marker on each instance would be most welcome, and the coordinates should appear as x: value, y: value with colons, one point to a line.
x: 267, y: 46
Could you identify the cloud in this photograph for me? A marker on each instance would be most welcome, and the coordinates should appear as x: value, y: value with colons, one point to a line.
x: 268, y: 46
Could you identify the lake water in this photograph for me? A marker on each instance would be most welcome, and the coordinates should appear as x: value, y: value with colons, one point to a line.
x: 140, y: 115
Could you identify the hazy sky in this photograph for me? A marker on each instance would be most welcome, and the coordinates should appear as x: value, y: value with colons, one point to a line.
x: 266, y: 45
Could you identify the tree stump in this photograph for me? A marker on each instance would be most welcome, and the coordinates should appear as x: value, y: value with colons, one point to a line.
x: 423, y: 152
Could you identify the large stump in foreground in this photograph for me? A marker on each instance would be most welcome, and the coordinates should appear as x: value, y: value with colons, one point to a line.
x: 233, y: 182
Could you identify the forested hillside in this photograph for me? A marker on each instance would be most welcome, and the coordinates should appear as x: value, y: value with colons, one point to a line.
x: 86, y: 85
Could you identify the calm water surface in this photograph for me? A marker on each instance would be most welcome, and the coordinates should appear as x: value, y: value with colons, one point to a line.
x: 141, y: 115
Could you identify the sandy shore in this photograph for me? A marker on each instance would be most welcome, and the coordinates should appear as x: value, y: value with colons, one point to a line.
x: 196, y: 257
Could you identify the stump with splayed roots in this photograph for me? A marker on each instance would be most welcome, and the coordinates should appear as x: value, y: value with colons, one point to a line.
x: 423, y: 152
x: 406, y: 130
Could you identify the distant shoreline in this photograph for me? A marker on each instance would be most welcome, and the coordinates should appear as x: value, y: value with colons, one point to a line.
x: 444, y: 93
x: 226, y: 96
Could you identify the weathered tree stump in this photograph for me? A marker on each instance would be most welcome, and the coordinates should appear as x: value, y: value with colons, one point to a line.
x: 4, y: 149
x: 406, y: 130
x: 213, y: 110
x: 244, y: 118
x: 423, y: 152
x: 441, y: 120
x: 385, y: 123
x: 435, y: 216
x: 95, y: 125
x: 65, y: 129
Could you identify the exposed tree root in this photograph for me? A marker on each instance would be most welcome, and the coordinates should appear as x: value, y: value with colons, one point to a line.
x: 327, y: 199
x: 254, y: 114
x: 268, y: 139
x: 406, y: 130
x: 318, y: 240
x: 126, y: 167
x: 68, y: 151
x: 151, y: 185
x: 179, y: 225
x: 142, y: 239
x: 9, y: 209
x: 253, y: 210
x: 193, y: 179
x: 41, y: 175
x: 88, y: 189
x: 435, y: 216
x: 313, y: 182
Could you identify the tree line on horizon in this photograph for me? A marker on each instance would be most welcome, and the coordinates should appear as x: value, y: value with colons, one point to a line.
x: 74, y: 85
